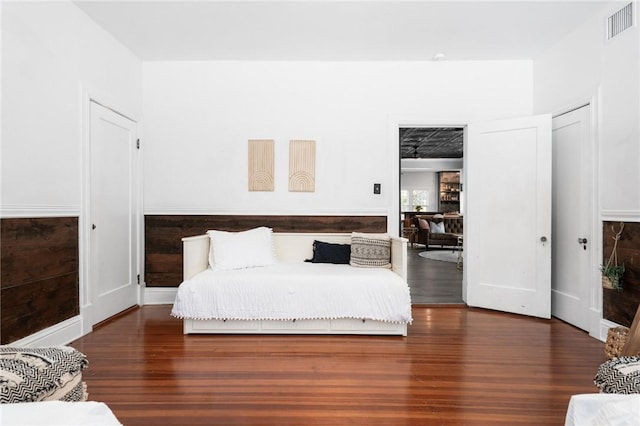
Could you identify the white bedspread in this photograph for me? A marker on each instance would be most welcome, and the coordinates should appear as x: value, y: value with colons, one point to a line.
x: 295, y: 290
x: 57, y: 413
x: 603, y: 409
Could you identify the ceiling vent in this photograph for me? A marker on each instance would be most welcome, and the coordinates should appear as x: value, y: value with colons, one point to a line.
x: 620, y: 21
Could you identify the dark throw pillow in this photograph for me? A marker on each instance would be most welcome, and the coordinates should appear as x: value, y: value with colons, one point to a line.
x: 330, y: 253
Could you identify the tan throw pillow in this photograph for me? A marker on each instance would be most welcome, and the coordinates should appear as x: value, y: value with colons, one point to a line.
x: 370, y: 250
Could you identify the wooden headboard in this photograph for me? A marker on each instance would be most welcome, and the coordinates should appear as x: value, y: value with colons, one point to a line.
x: 163, y: 248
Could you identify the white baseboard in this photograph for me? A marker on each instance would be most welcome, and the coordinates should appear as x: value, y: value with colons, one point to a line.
x: 62, y: 333
x: 605, y: 325
x: 159, y: 295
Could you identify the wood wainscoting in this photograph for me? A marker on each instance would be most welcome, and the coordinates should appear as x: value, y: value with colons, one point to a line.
x: 39, y: 274
x: 163, y: 234
x: 620, y: 306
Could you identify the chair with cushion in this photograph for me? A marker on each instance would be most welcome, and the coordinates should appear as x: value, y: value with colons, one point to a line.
x: 438, y: 230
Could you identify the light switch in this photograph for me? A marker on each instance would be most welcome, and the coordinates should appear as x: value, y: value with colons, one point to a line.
x: 376, y: 188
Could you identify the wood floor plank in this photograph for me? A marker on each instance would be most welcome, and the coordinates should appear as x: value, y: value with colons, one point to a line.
x: 457, y: 366
x: 432, y: 281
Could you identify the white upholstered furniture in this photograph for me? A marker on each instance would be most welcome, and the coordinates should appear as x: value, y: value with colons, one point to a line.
x: 600, y: 409
x: 57, y: 413
x: 292, y: 247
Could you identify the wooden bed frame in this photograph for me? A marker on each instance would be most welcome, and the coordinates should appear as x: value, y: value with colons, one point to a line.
x: 290, y: 247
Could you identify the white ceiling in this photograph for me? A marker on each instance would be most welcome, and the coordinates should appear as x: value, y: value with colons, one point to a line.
x: 338, y: 30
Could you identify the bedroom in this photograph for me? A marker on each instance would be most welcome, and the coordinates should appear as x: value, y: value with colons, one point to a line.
x: 196, y: 117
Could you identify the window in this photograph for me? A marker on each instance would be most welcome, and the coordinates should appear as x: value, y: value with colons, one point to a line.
x: 404, y: 201
x: 411, y: 198
x: 420, y: 197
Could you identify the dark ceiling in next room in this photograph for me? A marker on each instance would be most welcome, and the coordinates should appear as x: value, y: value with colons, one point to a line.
x: 431, y: 142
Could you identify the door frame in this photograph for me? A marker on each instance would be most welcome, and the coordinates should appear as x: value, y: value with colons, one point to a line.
x: 597, y: 328
x: 88, y: 95
x: 394, y: 123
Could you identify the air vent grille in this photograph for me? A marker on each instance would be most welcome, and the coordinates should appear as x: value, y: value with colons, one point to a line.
x: 620, y: 21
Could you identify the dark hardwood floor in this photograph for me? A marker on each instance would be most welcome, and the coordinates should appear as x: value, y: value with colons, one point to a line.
x: 457, y: 366
x: 432, y: 281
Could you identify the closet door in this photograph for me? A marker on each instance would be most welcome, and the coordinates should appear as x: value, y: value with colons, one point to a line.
x: 572, y: 212
x: 113, y: 233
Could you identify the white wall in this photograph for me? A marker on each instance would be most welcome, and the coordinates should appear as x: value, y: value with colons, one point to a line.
x: 48, y: 50
x: 583, y: 65
x: 198, y: 117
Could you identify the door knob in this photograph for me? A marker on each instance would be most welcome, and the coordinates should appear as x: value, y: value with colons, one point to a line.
x: 543, y: 239
x: 583, y: 241
x: 93, y: 226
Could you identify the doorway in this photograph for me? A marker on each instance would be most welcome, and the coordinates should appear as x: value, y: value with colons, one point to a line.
x: 431, y: 184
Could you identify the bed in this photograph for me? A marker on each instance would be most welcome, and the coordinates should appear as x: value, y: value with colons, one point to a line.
x: 289, y: 295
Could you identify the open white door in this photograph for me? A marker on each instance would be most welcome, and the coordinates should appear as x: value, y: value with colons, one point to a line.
x: 572, y: 217
x: 508, y: 216
x: 113, y: 215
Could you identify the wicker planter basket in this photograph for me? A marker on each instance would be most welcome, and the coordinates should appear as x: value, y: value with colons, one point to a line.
x: 616, y: 338
x: 606, y: 283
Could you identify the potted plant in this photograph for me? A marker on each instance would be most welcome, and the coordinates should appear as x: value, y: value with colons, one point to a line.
x: 612, y: 271
x: 418, y: 209
x: 612, y: 276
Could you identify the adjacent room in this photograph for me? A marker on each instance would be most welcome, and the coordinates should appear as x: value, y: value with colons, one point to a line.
x: 431, y: 202
x: 478, y: 157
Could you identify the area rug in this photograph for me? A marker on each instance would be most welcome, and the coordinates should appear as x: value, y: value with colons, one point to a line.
x: 443, y: 255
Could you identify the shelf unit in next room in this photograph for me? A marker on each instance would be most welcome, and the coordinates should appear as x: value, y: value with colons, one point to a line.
x: 449, y: 192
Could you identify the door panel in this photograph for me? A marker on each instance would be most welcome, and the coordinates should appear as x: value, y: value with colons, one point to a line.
x: 508, y: 216
x: 572, y: 208
x: 113, y: 234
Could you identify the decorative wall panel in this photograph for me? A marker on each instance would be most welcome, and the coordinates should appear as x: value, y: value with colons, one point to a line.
x: 620, y: 306
x: 163, y: 234
x: 261, y: 165
x: 39, y: 274
x: 302, y: 166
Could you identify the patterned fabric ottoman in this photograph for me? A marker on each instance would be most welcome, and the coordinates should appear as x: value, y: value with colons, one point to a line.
x: 619, y: 375
x: 41, y: 374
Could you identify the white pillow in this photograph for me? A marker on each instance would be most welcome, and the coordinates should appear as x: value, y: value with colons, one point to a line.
x: 240, y: 250
x: 436, y: 228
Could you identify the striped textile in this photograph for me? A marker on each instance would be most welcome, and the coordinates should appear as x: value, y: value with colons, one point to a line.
x: 41, y: 374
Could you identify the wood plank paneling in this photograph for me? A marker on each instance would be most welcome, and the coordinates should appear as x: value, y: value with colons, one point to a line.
x: 29, y: 308
x: 39, y: 277
x: 620, y: 306
x: 163, y: 234
x: 37, y: 248
x: 457, y: 366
